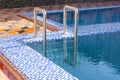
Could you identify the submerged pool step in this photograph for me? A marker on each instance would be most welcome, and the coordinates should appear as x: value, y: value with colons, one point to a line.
x: 49, y: 36
x: 82, y: 31
x: 99, y: 28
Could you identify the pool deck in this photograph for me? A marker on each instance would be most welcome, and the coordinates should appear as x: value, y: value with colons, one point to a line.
x: 28, y: 63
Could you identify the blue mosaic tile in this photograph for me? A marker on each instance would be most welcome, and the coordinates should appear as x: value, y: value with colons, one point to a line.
x: 30, y: 63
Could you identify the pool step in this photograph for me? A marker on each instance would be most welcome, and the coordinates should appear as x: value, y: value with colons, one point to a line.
x: 49, y: 36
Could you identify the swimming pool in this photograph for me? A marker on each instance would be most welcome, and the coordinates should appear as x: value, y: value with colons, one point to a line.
x: 97, y: 55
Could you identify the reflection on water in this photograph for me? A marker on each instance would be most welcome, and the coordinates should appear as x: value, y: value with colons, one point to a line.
x: 98, y: 56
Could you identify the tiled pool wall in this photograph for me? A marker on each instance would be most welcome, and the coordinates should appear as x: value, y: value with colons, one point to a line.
x: 26, y: 3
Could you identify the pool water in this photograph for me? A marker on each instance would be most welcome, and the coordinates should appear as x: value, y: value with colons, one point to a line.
x: 98, y: 55
x: 87, y: 17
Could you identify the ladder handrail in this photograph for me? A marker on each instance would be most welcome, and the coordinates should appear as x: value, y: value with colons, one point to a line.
x: 35, y: 19
x: 44, y: 26
x: 65, y: 17
x: 75, y: 28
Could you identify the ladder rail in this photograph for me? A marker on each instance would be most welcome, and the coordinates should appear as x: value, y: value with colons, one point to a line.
x: 75, y: 27
x: 43, y: 11
x: 65, y: 17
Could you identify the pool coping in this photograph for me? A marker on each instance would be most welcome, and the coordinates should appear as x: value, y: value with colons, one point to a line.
x: 50, y: 27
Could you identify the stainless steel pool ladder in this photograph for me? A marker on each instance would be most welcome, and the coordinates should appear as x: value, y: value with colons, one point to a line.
x: 44, y: 26
x: 75, y: 27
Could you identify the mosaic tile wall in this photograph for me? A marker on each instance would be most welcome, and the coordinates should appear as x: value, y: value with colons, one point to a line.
x: 24, y: 3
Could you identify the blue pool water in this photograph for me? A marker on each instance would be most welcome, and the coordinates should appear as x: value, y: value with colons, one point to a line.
x: 98, y: 56
x: 87, y: 17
